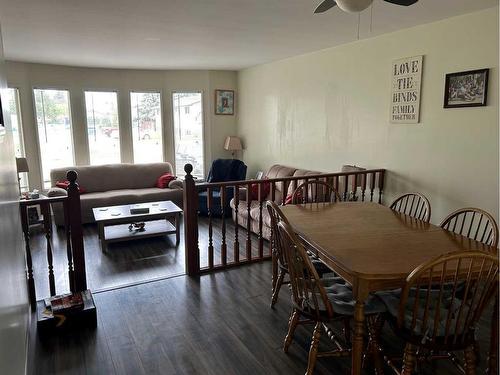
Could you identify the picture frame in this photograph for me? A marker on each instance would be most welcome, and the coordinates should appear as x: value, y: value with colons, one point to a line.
x: 224, y: 102
x: 466, y: 89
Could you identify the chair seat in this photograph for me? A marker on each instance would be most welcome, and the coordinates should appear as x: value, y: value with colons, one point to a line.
x: 449, y: 305
x: 340, y: 295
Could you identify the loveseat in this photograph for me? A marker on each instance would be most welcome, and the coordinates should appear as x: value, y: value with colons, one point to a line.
x: 115, y: 184
x: 276, y: 171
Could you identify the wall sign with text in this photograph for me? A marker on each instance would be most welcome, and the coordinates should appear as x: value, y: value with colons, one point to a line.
x: 405, y: 95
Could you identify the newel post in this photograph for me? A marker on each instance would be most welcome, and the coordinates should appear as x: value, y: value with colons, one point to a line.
x: 190, y: 196
x: 75, y: 225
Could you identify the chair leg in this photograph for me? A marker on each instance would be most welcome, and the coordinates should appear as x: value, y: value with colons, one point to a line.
x: 409, y: 359
x: 293, y: 322
x: 347, y: 331
x: 375, y: 324
x: 470, y: 361
x: 277, y: 287
x: 313, y: 351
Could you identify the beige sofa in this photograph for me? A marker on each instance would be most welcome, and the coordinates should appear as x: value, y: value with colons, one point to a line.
x: 276, y: 171
x: 115, y: 184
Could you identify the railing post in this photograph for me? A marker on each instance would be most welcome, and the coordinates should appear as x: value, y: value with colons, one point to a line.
x: 75, y: 224
x: 190, y: 196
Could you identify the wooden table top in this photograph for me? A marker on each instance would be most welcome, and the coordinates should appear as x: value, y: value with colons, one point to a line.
x: 117, y: 213
x: 370, y: 241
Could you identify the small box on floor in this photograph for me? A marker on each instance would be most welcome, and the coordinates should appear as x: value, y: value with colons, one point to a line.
x: 65, y: 312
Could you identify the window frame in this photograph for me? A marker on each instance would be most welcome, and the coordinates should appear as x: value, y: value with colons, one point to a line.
x: 35, y: 121
x: 203, y: 126
x: 120, y: 139
x: 162, y: 118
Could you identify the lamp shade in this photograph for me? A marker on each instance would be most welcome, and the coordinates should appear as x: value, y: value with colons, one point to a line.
x: 22, y: 165
x: 232, y: 144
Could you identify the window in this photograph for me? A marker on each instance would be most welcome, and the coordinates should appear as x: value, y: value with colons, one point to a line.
x: 188, y: 132
x: 102, y: 127
x: 54, y: 130
x: 146, y: 126
x: 12, y: 109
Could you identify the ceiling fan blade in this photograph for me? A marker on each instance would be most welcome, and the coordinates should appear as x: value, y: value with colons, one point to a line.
x: 324, y: 6
x: 402, y: 2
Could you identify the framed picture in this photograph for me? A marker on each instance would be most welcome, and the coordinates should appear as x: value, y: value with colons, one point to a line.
x: 466, y: 89
x: 224, y: 102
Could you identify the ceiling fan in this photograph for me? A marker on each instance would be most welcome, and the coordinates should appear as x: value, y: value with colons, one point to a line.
x: 352, y: 6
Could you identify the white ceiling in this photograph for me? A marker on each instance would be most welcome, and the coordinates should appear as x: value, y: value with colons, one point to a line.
x: 195, y: 34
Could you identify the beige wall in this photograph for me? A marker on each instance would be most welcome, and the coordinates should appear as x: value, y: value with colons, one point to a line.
x: 329, y: 108
x: 25, y: 77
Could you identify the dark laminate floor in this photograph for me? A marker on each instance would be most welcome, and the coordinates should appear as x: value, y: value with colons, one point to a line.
x: 219, y: 323
x: 129, y: 262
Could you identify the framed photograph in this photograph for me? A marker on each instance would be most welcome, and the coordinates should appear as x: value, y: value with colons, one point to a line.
x: 466, y: 89
x: 224, y: 102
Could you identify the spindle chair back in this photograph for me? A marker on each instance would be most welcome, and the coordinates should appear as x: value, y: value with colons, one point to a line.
x: 473, y: 223
x: 413, y: 204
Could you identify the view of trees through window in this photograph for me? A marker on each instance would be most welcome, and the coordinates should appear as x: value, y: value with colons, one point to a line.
x: 10, y: 98
x: 102, y: 127
x: 146, y: 126
x: 188, y: 132
x: 54, y: 130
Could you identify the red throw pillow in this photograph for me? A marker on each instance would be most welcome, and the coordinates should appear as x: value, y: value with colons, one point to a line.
x: 163, y: 181
x: 264, y: 190
x: 64, y: 185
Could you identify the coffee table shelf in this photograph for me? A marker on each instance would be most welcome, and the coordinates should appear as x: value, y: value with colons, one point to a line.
x: 120, y: 232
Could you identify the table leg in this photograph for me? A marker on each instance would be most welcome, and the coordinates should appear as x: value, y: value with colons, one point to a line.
x: 177, y: 229
x: 100, y: 228
x: 357, y: 340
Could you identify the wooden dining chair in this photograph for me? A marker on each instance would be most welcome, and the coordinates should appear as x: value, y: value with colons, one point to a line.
x: 279, y: 264
x: 315, y: 191
x: 473, y: 223
x: 440, y: 306
x: 320, y: 301
x: 413, y: 204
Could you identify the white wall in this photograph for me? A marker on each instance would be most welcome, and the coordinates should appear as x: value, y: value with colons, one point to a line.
x: 26, y: 76
x: 14, y: 310
x: 329, y: 108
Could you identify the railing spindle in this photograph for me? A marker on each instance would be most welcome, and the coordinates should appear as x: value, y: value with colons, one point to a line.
x: 249, y: 222
x: 236, y: 234
x: 69, y: 251
x: 47, y: 226
x: 223, y: 246
x: 210, y: 229
x: 372, y: 185
x: 363, y: 187
x: 380, y: 186
x: 29, y: 262
x: 261, y: 238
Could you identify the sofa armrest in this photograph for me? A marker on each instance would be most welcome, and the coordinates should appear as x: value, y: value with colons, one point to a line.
x: 57, y: 192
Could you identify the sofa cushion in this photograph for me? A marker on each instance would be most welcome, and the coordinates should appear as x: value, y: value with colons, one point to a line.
x: 101, y: 178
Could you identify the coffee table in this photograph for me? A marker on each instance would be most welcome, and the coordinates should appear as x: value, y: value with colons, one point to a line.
x: 113, y: 222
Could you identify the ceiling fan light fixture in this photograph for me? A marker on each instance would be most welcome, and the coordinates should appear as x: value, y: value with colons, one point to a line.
x: 353, y: 6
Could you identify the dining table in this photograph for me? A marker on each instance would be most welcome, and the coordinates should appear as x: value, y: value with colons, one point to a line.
x: 373, y: 248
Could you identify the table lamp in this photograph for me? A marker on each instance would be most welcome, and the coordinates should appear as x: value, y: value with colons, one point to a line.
x: 22, y: 167
x: 232, y: 144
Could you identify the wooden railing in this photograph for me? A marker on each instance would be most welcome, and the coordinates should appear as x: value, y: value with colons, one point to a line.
x: 74, y: 239
x: 229, y: 242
